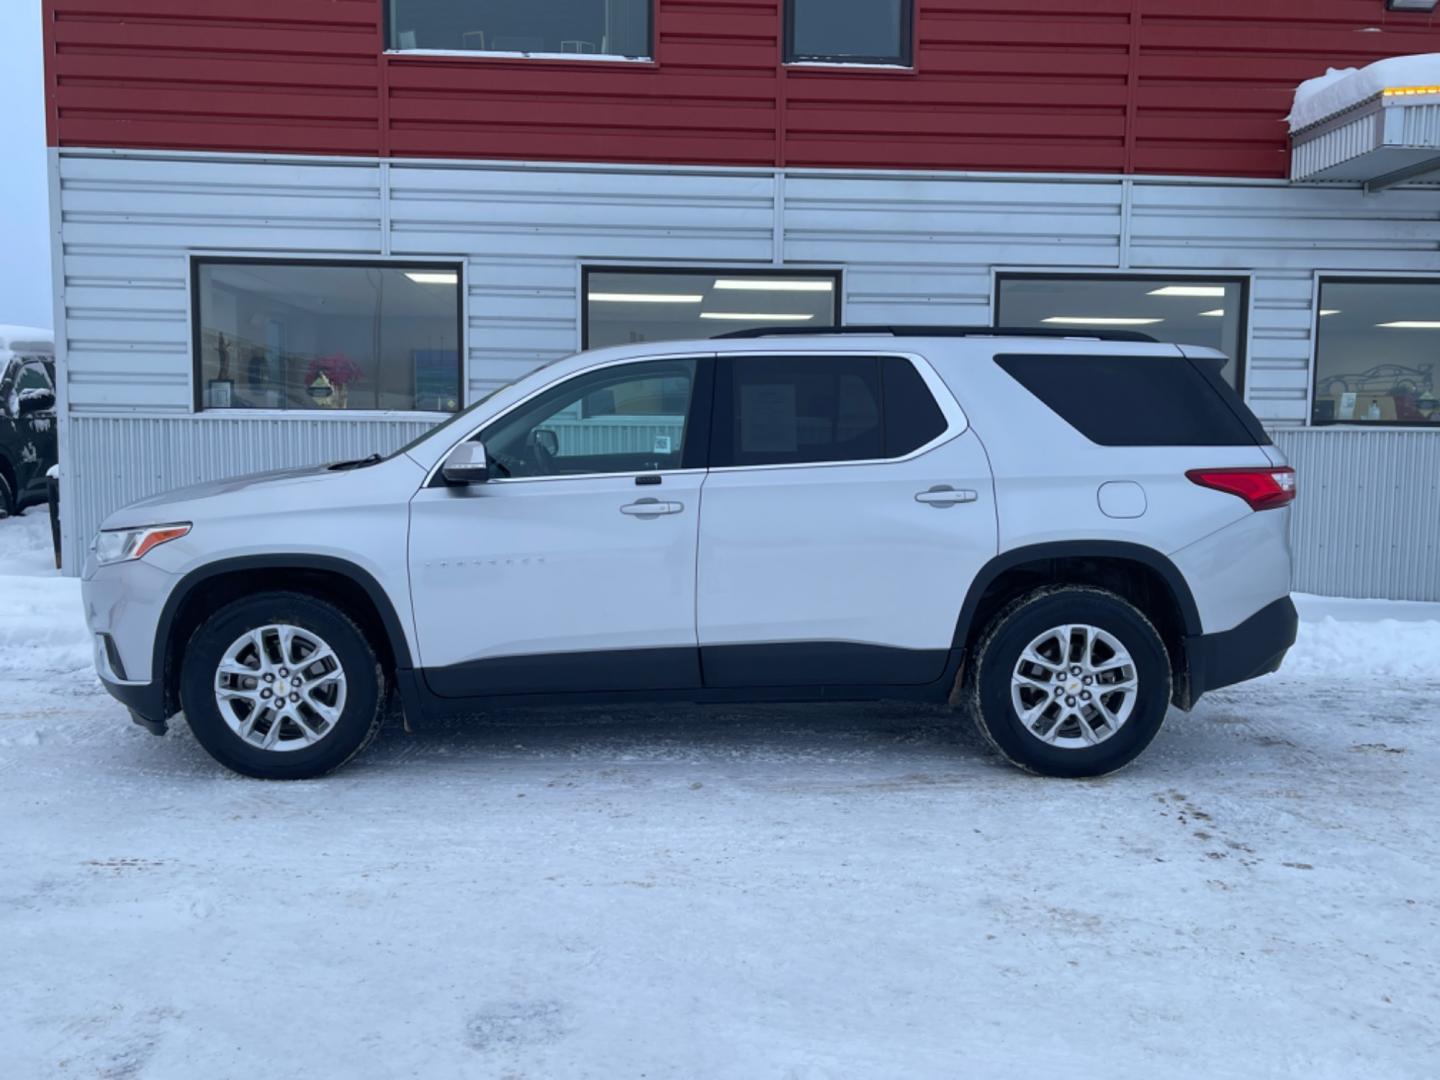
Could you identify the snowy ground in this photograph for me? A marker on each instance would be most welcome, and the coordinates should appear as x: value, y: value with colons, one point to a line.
x: 748, y: 893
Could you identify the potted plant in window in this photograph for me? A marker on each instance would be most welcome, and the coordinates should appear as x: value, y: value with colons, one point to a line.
x: 328, y: 380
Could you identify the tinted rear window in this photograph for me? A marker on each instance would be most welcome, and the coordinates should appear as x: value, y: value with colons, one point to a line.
x: 1138, y: 400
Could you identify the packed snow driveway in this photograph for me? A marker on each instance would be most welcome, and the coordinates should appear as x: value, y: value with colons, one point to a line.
x: 761, y: 892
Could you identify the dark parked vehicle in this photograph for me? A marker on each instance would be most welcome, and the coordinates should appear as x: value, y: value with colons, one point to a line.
x: 28, y: 442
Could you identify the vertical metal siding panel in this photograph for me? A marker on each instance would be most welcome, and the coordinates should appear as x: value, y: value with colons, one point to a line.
x: 112, y: 461
x: 1367, y: 519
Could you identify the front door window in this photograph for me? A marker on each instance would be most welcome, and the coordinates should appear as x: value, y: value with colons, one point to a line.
x: 622, y: 419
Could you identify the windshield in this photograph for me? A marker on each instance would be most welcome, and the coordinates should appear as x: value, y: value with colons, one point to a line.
x: 452, y: 422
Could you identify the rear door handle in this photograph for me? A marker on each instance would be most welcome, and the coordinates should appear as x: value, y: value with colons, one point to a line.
x: 649, y: 508
x: 942, y: 495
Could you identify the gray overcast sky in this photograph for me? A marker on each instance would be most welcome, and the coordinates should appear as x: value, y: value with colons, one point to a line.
x: 25, y: 288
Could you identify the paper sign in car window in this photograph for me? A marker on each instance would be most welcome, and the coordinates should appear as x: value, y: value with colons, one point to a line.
x: 768, y: 424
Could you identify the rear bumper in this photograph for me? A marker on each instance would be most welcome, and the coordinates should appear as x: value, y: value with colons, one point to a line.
x: 1256, y: 647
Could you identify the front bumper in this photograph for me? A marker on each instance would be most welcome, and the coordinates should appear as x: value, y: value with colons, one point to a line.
x: 146, y: 702
x: 1256, y: 647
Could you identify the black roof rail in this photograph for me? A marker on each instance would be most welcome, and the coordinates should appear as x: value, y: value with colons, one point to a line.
x: 938, y: 331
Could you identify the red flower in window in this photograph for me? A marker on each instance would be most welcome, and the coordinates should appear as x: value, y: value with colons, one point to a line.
x: 337, y: 367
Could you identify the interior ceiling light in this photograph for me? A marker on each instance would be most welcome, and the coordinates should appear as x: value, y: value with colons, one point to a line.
x: 1329, y: 311
x: 437, y: 277
x: 1215, y: 314
x: 1097, y: 320
x: 1410, y: 5
x: 774, y: 285
x: 751, y: 316
x: 1189, y: 290
x: 646, y: 298
x: 1410, y: 324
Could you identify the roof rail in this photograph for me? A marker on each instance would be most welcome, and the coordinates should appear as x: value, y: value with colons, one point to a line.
x: 937, y: 331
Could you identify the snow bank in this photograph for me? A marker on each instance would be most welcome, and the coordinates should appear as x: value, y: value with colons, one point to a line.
x: 1340, y: 88
x: 1375, y: 638
x: 42, y: 626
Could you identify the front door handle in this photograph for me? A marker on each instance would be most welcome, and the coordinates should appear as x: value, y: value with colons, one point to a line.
x: 651, y: 508
x: 942, y: 495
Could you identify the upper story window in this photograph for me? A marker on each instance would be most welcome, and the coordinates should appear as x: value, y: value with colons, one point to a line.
x: 570, y: 28
x: 849, y: 31
x: 1377, y: 352
x: 327, y: 335
x: 1183, y: 310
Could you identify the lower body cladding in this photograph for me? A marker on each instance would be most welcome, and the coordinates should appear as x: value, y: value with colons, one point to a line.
x: 796, y: 672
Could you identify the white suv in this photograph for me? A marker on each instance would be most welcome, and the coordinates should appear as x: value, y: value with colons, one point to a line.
x: 1064, y: 535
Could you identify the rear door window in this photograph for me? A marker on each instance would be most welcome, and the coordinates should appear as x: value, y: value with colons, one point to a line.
x: 1138, y: 400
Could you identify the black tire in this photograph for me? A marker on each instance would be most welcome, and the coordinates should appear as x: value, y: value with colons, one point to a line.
x: 993, y: 662
x: 359, y: 719
x: 8, y: 505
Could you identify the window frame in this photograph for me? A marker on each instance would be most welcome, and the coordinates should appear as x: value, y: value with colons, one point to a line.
x: 1313, y: 375
x: 956, y: 422
x: 444, y: 263
x: 393, y: 49
x: 1244, y: 281
x: 587, y: 269
x: 905, y: 61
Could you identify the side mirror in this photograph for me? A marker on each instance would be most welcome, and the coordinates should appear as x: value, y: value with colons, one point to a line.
x: 36, y: 400
x: 547, y: 439
x: 467, y: 464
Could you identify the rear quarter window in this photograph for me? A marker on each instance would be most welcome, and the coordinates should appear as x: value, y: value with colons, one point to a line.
x: 1138, y: 400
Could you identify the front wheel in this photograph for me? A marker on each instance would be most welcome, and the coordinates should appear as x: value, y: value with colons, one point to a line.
x: 1069, y: 681
x: 281, y: 686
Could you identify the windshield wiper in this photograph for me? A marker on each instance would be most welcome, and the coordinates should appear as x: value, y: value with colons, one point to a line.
x: 361, y: 463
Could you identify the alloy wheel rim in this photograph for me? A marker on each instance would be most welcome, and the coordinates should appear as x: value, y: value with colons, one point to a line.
x: 1074, y: 686
x: 280, y: 688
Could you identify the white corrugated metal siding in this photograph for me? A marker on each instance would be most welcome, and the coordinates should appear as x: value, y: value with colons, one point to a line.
x: 1367, y: 519
x: 914, y: 248
x: 111, y: 461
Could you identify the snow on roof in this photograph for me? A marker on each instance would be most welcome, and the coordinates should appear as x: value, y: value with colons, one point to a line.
x: 26, y: 339
x: 1341, y: 88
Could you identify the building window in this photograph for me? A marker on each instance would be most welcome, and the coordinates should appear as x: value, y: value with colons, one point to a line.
x: 537, y: 27
x: 1207, y: 311
x: 624, y: 306
x: 848, y: 31
x: 1377, y: 352
x: 326, y: 335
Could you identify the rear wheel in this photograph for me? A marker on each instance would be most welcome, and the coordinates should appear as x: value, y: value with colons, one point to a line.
x: 1069, y: 681
x: 281, y: 686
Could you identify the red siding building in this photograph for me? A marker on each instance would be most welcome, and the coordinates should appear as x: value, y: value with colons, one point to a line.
x: 1112, y: 86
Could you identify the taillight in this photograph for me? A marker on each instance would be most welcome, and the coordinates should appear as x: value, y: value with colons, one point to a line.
x: 1263, y: 489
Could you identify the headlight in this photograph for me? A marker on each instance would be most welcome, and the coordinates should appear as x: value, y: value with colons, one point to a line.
x: 123, y: 545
